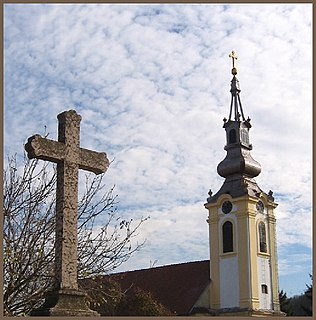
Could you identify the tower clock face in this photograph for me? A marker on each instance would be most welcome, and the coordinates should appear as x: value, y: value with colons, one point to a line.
x: 260, y: 206
x: 227, y: 207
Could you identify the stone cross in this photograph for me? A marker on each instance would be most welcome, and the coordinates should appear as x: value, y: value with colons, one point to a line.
x: 68, y: 155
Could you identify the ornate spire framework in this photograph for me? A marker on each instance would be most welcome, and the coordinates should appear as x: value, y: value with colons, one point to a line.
x: 238, y: 167
x: 235, y: 90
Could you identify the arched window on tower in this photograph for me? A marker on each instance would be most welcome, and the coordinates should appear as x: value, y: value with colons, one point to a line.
x: 232, y: 138
x: 228, y: 243
x: 262, y: 237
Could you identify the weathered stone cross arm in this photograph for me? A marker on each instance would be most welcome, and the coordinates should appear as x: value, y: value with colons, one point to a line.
x: 98, y: 159
x: 44, y: 149
x: 54, y: 151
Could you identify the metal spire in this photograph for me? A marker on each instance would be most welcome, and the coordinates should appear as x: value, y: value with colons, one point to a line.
x: 235, y: 90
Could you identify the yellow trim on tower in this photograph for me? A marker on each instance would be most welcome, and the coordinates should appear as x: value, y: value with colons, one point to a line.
x: 245, y: 246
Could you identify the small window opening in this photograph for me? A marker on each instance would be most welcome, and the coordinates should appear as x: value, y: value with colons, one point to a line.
x: 264, y: 288
x: 262, y: 238
x: 228, y: 237
x: 232, y: 136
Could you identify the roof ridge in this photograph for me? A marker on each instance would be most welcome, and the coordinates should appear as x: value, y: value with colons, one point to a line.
x: 159, y: 267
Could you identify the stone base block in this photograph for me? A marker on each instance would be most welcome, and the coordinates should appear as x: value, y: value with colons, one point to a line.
x: 65, y: 303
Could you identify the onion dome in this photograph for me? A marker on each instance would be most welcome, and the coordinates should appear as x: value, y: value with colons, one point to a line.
x: 238, y: 160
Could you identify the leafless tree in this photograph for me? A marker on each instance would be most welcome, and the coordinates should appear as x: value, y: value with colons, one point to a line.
x: 105, y: 240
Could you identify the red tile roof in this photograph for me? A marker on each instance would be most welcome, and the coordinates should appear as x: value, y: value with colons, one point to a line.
x: 176, y: 286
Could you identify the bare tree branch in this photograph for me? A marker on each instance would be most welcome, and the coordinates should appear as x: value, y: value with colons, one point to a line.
x: 105, y: 241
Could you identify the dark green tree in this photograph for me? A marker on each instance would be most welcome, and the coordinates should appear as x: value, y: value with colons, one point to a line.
x: 308, y: 294
x: 285, y: 305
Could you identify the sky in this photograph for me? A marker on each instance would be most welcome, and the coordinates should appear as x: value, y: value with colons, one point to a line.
x: 151, y: 83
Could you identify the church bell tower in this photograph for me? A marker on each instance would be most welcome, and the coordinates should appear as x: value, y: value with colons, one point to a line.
x: 243, y: 265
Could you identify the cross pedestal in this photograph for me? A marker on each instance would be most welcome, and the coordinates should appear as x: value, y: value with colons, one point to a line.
x: 66, y: 299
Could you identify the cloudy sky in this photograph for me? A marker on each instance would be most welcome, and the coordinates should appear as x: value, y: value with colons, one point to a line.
x: 151, y: 83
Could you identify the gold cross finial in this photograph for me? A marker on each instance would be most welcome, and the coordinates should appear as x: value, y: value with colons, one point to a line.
x: 234, y: 57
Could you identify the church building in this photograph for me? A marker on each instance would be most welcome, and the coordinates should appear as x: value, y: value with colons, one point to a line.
x: 241, y: 277
x: 243, y: 253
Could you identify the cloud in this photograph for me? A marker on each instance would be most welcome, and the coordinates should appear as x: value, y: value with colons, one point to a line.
x: 174, y: 235
x: 152, y: 85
